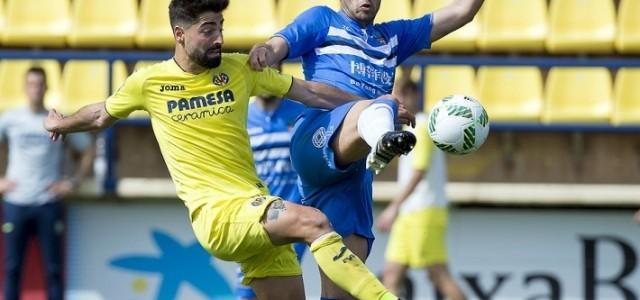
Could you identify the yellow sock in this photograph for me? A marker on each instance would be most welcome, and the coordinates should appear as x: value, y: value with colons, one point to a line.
x: 346, y: 270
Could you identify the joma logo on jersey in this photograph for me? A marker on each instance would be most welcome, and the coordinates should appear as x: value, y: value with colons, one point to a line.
x: 172, y: 87
x: 201, y: 101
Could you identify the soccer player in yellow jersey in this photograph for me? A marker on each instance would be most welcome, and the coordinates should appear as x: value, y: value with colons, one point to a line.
x: 198, y: 106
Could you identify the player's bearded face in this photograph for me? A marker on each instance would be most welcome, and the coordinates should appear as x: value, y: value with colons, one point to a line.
x: 205, y: 45
x: 209, y: 57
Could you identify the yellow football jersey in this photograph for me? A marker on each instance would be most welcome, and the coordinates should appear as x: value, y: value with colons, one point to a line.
x: 200, y: 123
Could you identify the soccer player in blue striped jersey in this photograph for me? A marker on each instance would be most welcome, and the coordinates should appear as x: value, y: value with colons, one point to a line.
x: 269, y: 123
x: 332, y: 149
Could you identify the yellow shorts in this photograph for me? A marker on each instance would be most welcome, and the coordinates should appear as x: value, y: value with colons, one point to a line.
x: 231, y: 230
x: 418, y: 239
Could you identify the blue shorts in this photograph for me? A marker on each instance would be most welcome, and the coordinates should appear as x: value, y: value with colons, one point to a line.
x: 343, y: 195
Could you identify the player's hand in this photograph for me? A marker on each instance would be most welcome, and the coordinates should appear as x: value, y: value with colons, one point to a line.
x: 636, y: 217
x: 6, y: 185
x: 259, y: 56
x: 406, y: 117
x: 387, y: 217
x: 51, y: 123
x: 61, y: 188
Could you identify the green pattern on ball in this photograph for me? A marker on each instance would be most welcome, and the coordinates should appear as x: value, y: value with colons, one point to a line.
x: 484, y: 118
x: 469, y: 138
x: 459, y: 111
x: 446, y: 148
x: 432, y: 119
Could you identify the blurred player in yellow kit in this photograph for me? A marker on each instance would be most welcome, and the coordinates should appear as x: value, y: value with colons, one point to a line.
x: 198, y: 104
x: 418, y: 215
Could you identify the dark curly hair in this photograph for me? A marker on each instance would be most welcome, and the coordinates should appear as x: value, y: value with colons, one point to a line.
x: 186, y: 12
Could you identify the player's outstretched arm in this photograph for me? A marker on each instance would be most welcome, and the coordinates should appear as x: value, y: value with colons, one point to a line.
x: 453, y: 16
x: 389, y: 214
x: 319, y: 95
x: 269, y: 54
x: 90, y: 117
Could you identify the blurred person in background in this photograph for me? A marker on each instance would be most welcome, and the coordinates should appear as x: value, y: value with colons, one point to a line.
x: 33, y: 187
x: 636, y: 217
x: 269, y: 124
x: 418, y: 215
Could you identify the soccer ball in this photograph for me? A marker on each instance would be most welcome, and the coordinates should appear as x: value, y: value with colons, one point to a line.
x: 458, y: 124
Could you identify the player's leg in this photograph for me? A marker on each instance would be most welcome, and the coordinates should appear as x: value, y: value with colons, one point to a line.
x: 405, y: 239
x: 16, y: 233
x: 50, y: 228
x: 360, y: 247
x: 286, y: 222
x: 369, y: 129
x: 441, y: 278
x: 393, y: 275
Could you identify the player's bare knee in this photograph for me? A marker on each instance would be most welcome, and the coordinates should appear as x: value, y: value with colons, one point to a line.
x: 314, y: 224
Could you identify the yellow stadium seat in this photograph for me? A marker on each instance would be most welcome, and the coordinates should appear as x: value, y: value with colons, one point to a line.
x: 1, y: 18
x: 578, y: 95
x: 511, y: 94
x: 293, y: 69
x: 393, y: 10
x: 100, y: 23
x: 288, y: 10
x: 461, y: 40
x: 442, y: 81
x: 581, y: 26
x: 627, y: 97
x: 249, y: 22
x: 154, y: 30
x: 628, y: 38
x: 513, y: 25
x: 85, y: 82
x: 12, y: 81
x: 34, y: 23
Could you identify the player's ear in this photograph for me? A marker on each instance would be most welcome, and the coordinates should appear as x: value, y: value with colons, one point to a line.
x: 178, y: 33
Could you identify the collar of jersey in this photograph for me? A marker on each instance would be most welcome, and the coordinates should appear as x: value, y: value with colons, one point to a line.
x: 179, y: 69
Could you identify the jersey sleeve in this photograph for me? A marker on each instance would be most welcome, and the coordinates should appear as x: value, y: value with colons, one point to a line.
x: 128, y: 98
x: 307, y: 31
x: 413, y: 35
x: 271, y: 82
x: 423, y: 149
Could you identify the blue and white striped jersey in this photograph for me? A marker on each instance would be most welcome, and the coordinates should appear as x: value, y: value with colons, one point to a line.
x: 270, y: 134
x: 335, y: 50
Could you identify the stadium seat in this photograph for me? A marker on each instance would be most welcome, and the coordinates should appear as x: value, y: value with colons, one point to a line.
x: 154, y: 29
x: 578, y: 95
x: 100, y: 23
x: 581, y: 26
x: 12, y: 81
x: 288, y: 10
x: 293, y: 69
x: 462, y: 40
x: 513, y: 25
x: 511, y: 94
x: 442, y: 81
x: 248, y: 22
x: 627, y: 97
x: 1, y: 18
x: 85, y: 82
x: 628, y: 37
x: 34, y: 23
x: 393, y: 10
